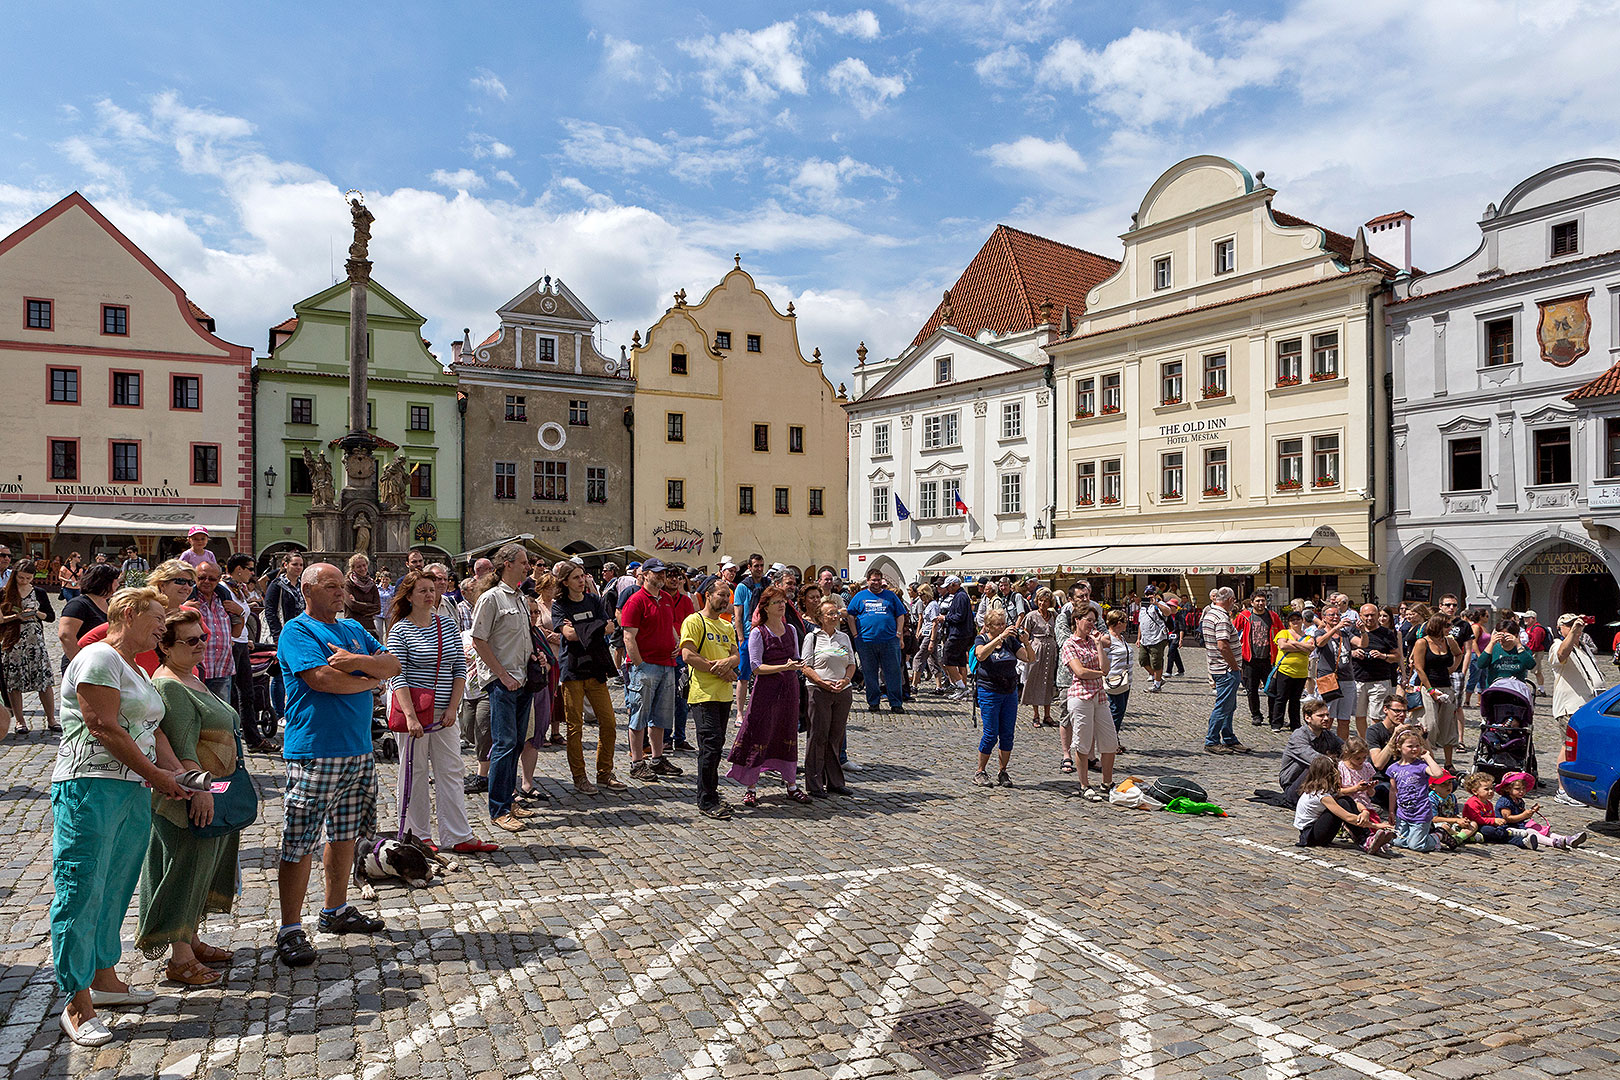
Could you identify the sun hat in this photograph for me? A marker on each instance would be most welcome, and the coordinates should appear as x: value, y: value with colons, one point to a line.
x: 1568, y: 617
x: 1510, y: 778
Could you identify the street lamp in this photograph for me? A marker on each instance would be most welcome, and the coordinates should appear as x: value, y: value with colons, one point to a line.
x: 716, y: 538
x: 269, y: 480
x: 1040, y: 530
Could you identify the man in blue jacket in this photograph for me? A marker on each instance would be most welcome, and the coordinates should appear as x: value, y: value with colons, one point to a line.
x: 877, y: 622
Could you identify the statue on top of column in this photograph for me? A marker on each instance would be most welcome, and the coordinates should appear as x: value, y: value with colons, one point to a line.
x: 362, y: 229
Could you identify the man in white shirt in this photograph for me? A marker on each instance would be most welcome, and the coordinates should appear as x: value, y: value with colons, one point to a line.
x: 1153, y: 635
x: 1576, y: 680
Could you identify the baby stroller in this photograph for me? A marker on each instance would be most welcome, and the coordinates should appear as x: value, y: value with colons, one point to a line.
x: 1506, y: 741
x: 265, y: 668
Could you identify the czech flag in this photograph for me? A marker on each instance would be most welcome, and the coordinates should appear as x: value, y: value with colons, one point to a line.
x: 900, y: 510
x: 961, y: 507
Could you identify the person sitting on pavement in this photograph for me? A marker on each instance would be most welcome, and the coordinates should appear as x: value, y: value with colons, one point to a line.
x: 331, y: 666
x: 1304, y: 746
x: 1322, y: 811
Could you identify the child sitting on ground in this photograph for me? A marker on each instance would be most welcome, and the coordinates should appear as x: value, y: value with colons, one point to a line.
x: 1492, y: 829
x: 1451, y: 827
x: 1358, y: 776
x: 1512, y: 810
x: 1409, y: 792
x: 1321, y: 811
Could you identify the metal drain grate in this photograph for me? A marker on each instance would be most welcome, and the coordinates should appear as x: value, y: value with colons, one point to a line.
x: 958, y: 1038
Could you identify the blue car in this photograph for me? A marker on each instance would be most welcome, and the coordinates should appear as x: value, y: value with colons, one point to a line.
x: 1592, y: 773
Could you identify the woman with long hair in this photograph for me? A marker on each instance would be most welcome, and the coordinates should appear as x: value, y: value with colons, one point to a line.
x: 1436, y: 657
x: 188, y: 876
x: 86, y: 611
x: 768, y: 736
x: 586, y: 663
x: 68, y: 576
x: 1040, y: 674
x: 24, y: 608
x: 427, y: 694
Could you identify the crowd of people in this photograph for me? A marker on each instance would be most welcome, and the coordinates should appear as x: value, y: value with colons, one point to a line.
x: 158, y: 710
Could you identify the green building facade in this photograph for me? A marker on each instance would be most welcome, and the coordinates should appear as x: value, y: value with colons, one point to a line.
x: 301, y: 402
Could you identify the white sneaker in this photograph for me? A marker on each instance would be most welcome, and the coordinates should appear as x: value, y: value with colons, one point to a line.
x: 850, y: 766
x: 1566, y: 799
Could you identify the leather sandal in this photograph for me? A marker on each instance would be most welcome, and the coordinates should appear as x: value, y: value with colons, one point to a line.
x: 208, y: 954
x: 192, y: 973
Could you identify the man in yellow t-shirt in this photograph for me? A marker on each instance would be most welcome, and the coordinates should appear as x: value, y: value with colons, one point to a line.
x: 708, y: 644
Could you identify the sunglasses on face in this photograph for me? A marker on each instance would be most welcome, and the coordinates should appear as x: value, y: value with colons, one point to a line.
x: 193, y: 641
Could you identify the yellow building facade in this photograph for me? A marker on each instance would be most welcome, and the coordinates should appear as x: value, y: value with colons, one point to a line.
x: 740, y: 443
x: 1222, y: 411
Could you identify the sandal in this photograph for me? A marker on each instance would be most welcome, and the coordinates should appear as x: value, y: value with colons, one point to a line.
x: 749, y: 798
x: 1067, y: 766
x: 192, y: 973
x: 798, y: 795
x: 208, y: 954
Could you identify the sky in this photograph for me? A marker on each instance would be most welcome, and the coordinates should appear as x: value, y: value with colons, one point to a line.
x: 856, y: 157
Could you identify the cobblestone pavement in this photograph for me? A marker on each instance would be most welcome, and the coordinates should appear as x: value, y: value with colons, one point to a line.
x: 628, y: 937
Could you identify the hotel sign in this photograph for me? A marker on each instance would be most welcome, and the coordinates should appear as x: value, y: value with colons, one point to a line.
x: 1193, y: 430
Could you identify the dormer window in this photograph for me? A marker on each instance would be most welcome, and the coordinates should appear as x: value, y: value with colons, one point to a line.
x: 942, y: 370
x: 1225, y: 256
x: 1566, y: 238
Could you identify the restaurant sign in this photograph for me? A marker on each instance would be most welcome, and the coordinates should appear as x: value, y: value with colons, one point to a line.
x: 677, y: 536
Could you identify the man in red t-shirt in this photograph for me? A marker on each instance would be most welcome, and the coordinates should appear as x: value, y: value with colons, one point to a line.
x: 651, y: 629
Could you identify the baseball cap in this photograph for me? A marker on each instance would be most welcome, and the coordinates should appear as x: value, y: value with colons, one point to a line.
x: 1527, y: 615
x: 653, y: 566
x: 632, y: 566
x: 952, y: 580
x: 197, y: 530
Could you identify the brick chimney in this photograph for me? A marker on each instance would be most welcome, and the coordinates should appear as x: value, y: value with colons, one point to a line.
x: 1389, y: 236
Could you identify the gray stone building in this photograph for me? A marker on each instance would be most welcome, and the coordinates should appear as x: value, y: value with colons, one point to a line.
x: 1506, y: 472
x: 547, y: 446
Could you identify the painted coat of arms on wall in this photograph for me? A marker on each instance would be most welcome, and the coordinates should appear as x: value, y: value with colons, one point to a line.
x: 1565, y: 330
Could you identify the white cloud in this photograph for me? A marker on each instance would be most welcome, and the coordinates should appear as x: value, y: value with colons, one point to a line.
x: 860, y: 24
x: 82, y: 154
x: 1004, y: 67
x: 488, y: 82
x: 869, y: 93
x: 823, y: 182
x: 746, y: 69
x: 1046, y: 159
x: 487, y: 146
x: 1143, y: 78
x: 598, y: 146
x: 460, y: 180
x: 630, y: 62
x: 989, y: 22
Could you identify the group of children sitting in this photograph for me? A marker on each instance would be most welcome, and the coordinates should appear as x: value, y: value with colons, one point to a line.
x: 1413, y: 804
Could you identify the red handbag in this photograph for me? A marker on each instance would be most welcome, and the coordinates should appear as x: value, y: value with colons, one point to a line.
x: 421, y: 700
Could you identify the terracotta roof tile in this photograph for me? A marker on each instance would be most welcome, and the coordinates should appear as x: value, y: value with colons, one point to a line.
x: 1338, y: 243
x: 204, y: 320
x: 1605, y: 385
x: 1014, y: 272
x: 489, y: 340
x: 290, y: 325
x: 1383, y: 218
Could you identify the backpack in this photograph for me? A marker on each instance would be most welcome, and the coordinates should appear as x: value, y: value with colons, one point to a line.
x: 1166, y: 788
x: 1537, y: 639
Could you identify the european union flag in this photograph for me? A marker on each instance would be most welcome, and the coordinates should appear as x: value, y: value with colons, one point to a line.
x: 900, y: 510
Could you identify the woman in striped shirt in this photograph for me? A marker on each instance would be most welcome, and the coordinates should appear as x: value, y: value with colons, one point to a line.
x: 428, y: 646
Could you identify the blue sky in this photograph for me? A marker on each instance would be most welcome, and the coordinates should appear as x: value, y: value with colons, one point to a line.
x: 856, y: 155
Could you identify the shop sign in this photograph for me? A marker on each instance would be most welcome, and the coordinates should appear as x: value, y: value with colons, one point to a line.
x: 677, y: 536
x: 1565, y: 561
x: 1193, y: 430
x: 1324, y: 536
x: 97, y: 491
x: 549, y: 521
x: 1603, y: 496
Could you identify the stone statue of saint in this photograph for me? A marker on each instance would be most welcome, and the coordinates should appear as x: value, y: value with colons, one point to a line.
x: 362, y: 229
x: 393, y: 482
x: 362, y: 536
x: 323, y: 493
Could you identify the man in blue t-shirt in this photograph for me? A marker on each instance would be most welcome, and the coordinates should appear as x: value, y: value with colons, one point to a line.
x: 331, y: 666
x: 877, y: 622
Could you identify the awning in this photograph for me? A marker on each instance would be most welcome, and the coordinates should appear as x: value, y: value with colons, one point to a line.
x: 536, y: 547
x: 163, y: 520
x: 1025, y: 559
x: 1237, y: 552
x: 30, y: 517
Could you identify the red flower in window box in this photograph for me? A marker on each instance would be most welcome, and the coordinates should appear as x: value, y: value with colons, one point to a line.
x: 1083, y: 502
x: 1289, y: 485
x: 1110, y: 500
x: 1171, y: 400
x: 1325, y: 482
x: 1288, y: 380
x: 1323, y: 376
x: 1214, y: 490
x: 1214, y: 392
x: 1083, y: 414
x: 1109, y: 410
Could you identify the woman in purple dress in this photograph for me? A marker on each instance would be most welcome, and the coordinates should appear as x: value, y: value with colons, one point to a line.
x: 768, y: 737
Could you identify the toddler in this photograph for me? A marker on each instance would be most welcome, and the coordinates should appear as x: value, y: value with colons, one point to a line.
x: 1409, y: 793
x: 1512, y: 811
x: 1453, y: 828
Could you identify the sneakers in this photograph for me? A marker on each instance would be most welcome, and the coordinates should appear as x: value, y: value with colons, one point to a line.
x: 1532, y: 840
x: 896, y: 709
x: 642, y: 771
x: 1216, y: 748
x: 1577, y: 840
x: 1378, y: 841
x: 348, y: 920
x: 981, y: 779
x: 475, y: 785
x: 584, y: 787
x: 1565, y: 799
x: 1237, y: 748
x: 685, y: 747
x: 611, y: 782
x: 1155, y: 686
x: 666, y: 767
x: 1257, y: 721
x: 1003, y: 780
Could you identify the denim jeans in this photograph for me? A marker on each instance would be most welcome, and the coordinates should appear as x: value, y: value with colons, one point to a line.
x: 1416, y: 835
x: 220, y: 687
x: 507, y: 711
x: 882, y: 656
x: 654, y: 687
x: 1116, y: 708
x: 278, y: 695
x: 998, y: 710
x: 1220, y: 716
x: 682, y: 706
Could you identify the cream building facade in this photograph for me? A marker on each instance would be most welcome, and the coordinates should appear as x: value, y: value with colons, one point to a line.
x: 739, y: 442
x: 1221, y: 407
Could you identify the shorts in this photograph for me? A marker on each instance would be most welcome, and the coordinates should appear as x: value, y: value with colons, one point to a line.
x: 339, y: 793
x: 1370, y: 698
x: 1093, y: 727
x: 956, y: 650
x: 1151, y: 656
x: 649, y: 697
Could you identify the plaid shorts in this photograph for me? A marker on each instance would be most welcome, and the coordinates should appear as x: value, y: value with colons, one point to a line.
x: 340, y: 793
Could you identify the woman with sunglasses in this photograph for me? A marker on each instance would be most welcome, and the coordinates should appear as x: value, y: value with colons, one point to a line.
x: 174, y: 581
x: 188, y: 876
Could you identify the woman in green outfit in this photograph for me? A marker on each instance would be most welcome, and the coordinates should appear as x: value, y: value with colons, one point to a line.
x: 101, y: 814
x: 188, y: 876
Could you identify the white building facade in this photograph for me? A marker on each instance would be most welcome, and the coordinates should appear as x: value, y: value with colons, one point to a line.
x: 1506, y: 480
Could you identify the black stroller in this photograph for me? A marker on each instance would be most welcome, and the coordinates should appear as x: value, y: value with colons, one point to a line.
x: 1506, y: 740
x: 265, y: 668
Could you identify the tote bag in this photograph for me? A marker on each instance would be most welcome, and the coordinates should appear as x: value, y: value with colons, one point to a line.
x: 421, y: 700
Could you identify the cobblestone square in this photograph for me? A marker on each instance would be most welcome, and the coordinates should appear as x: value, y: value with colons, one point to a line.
x: 629, y: 937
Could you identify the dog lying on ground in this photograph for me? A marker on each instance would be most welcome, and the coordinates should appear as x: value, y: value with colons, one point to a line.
x: 407, y: 859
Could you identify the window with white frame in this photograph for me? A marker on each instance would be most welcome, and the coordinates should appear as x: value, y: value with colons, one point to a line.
x: 1290, y: 362
x: 1085, y: 397
x: 1113, y: 481
x: 1215, y: 462
x: 1325, y: 356
x: 1113, y: 393
x: 940, y: 430
x: 551, y: 481
x: 880, y: 504
x: 928, y: 499
x: 1225, y: 256
x: 1552, y: 454
x: 545, y: 350
x: 1290, y: 464
x: 1214, y: 375
x: 1498, y: 342
x: 595, y: 485
x: 579, y: 412
x: 1611, y: 449
x: 1171, y: 374
x: 1172, y: 475
x: 1012, y: 493
x: 1012, y: 419
x: 1085, y: 483
x: 942, y: 369
x: 880, y: 440
x: 949, y: 491
x: 1325, y: 461
x: 1162, y: 278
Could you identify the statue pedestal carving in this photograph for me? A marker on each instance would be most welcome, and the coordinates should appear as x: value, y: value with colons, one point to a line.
x: 328, y: 531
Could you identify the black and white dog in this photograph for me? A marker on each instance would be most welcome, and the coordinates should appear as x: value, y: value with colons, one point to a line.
x: 407, y: 859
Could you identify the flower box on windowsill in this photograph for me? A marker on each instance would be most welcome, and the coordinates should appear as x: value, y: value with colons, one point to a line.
x: 1289, y: 485
x: 1324, y: 376
x: 1110, y: 500
x: 1214, y: 492
x: 1288, y: 380
x: 1086, y: 414
x: 1084, y: 502
x: 1171, y: 400
x: 1325, y: 482
x: 1171, y: 496
x: 1110, y: 410
x: 1212, y: 392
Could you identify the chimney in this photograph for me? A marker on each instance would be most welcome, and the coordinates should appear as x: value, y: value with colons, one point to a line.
x: 1389, y: 236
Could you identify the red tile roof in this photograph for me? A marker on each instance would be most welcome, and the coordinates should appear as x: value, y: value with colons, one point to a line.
x: 1383, y: 218
x: 1338, y: 243
x: 289, y: 325
x: 204, y: 320
x: 1605, y: 385
x: 1003, y: 288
